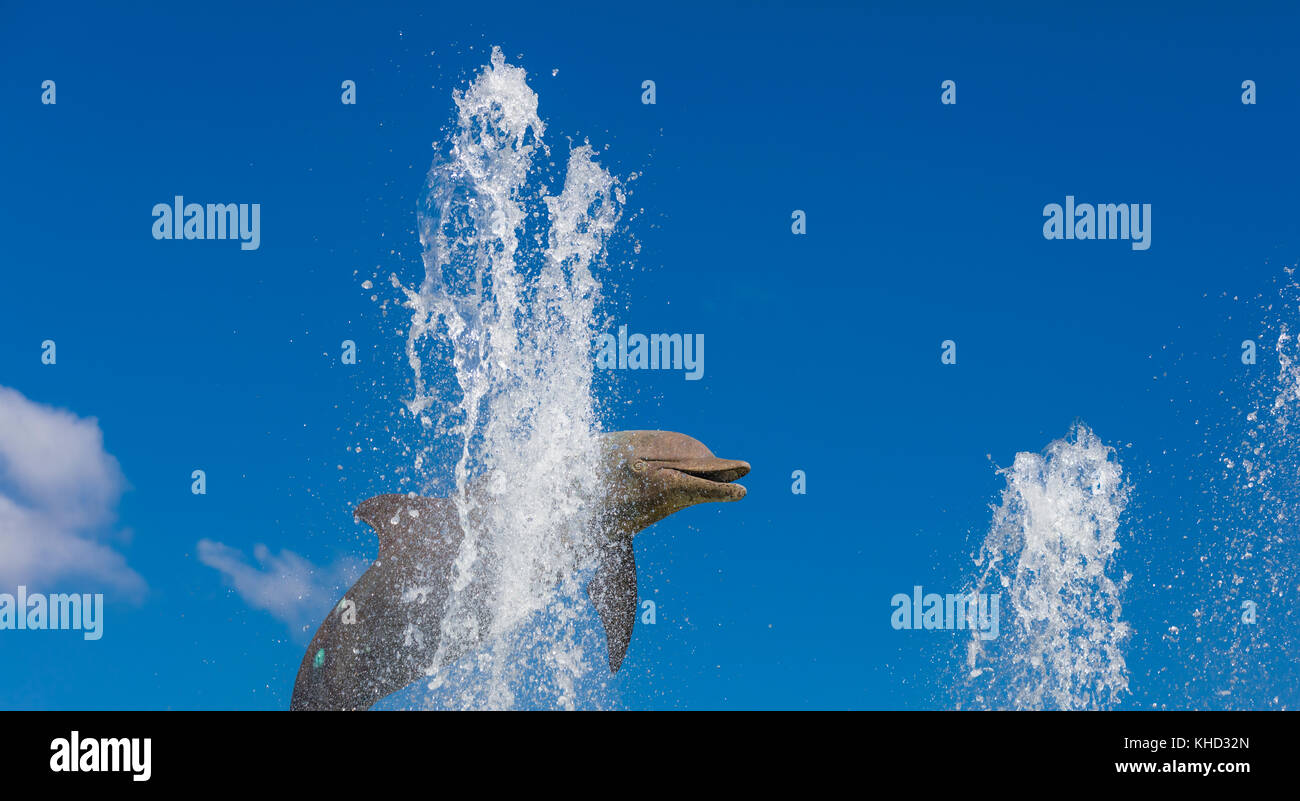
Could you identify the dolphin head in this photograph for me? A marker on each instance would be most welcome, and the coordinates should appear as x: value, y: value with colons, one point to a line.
x: 652, y: 474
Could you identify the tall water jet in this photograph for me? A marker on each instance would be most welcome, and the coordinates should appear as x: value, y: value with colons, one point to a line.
x: 1051, y: 552
x: 500, y: 350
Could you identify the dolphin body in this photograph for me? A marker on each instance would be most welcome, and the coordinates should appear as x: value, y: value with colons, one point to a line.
x: 385, y: 632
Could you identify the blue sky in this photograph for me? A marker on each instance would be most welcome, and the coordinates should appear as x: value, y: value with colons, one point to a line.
x: 924, y: 224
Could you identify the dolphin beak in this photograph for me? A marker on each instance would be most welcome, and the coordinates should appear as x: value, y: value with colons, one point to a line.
x: 723, y: 470
x: 712, y: 477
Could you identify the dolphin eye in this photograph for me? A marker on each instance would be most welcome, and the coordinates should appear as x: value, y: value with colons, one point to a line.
x: 638, y: 466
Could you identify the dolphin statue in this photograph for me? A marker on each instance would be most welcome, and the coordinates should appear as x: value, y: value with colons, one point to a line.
x: 385, y: 632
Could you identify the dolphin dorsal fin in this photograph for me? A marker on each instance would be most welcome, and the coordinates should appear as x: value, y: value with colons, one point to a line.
x: 401, y: 521
x: 613, y: 592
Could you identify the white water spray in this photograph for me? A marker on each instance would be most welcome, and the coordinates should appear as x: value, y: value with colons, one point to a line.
x: 1248, y: 615
x: 1050, y: 551
x: 500, y: 348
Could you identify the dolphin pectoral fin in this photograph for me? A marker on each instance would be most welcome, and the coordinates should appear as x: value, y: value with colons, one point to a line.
x: 613, y: 592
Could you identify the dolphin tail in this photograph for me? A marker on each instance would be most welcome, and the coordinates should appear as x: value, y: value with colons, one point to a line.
x: 384, y: 632
x: 613, y: 592
x: 406, y: 523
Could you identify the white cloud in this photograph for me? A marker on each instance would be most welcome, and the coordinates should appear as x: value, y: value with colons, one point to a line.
x: 288, y: 586
x: 59, y: 490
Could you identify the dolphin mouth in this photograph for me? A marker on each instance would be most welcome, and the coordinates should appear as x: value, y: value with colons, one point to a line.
x: 712, y: 478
